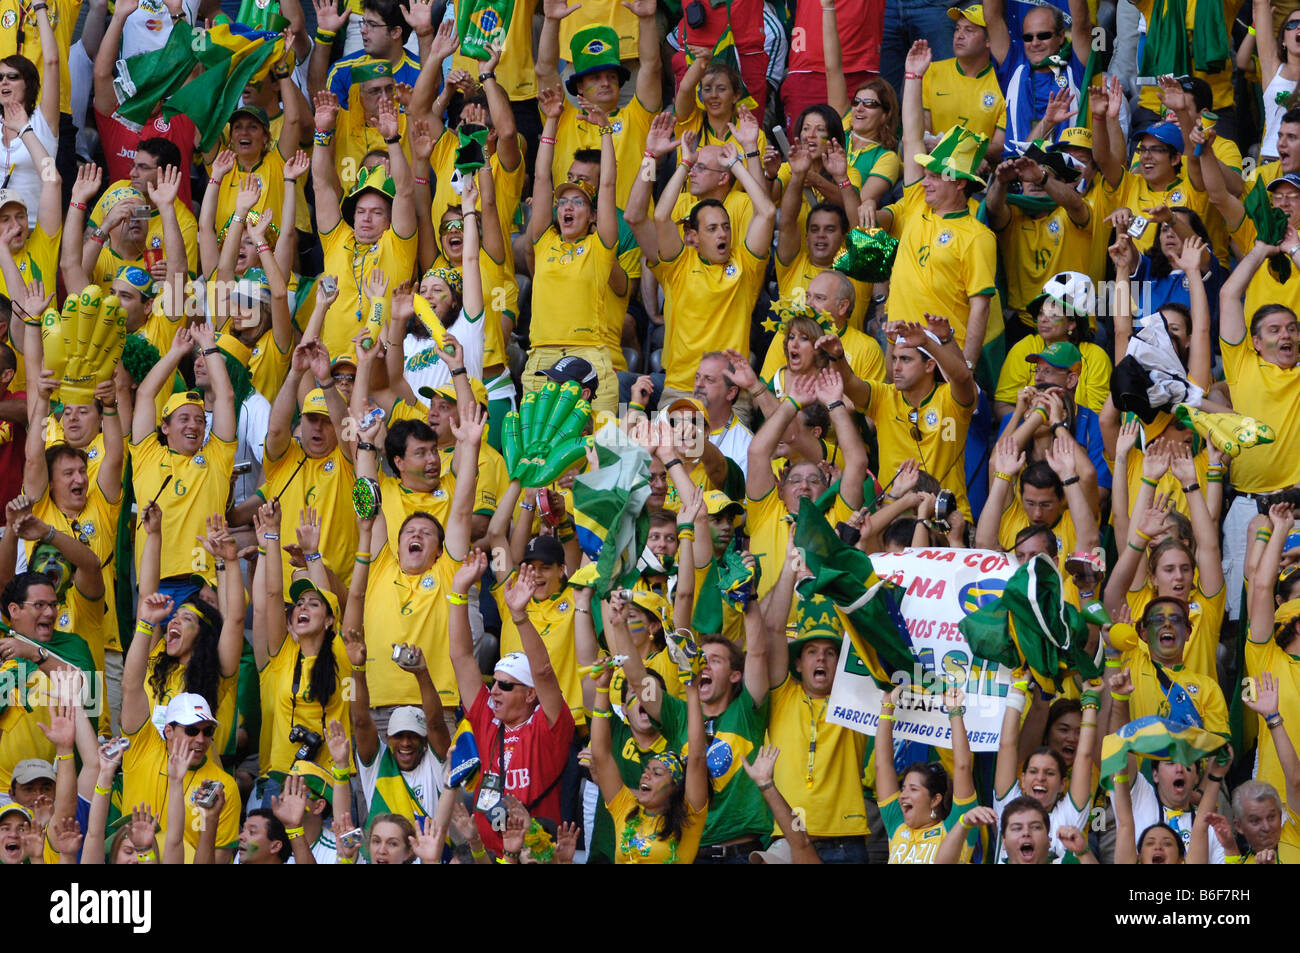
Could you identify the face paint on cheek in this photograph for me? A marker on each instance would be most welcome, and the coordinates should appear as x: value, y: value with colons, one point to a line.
x: 636, y: 626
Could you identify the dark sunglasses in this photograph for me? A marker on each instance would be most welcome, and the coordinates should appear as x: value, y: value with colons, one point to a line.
x: 506, y: 686
x: 344, y: 378
x: 867, y: 103
x: 207, y: 730
x: 12, y: 77
x: 1289, y: 25
x: 1040, y: 36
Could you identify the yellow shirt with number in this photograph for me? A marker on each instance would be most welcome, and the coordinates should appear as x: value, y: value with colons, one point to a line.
x: 630, y: 124
x: 97, y: 525
x: 1271, y: 394
x: 943, y: 261
x: 1268, y: 657
x: 793, y: 281
x: 1018, y: 373
x: 919, y: 845
x: 1135, y: 194
x: 269, y: 172
x: 199, y: 487
x: 324, y: 483
x: 352, y: 263
x: 227, y: 695
x: 1034, y: 249
x: 554, y: 618
x: 941, y: 449
x: 38, y: 261
x: 953, y: 98
x: 398, y: 502
x: 831, y: 804
x: 1168, y: 484
x: 401, y: 607
x: 707, y: 307
x: 269, y: 365
x: 571, y: 281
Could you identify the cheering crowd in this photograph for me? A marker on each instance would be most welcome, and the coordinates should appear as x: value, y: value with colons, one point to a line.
x: 428, y: 431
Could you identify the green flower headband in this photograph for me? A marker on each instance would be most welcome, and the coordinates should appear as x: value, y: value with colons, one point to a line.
x: 783, y: 312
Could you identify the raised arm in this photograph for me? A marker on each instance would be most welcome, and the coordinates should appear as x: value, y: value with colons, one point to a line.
x: 469, y: 680
x: 548, y: 44
x: 1265, y: 704
x: 1005, y: 466
x: 267, y: 523
x: 517, y: 597
x: 324, y: 177
x: 668, y: 238
x: 1007, y: 766
x: 330, y: 21
x: 145, y: 415
x: 759, y: 479
x: 551, y: 102
x: 1232, y: 317
x: 886, y: 776
x: 1261, y: 592
x: 1205, y: 529
x: 106, y: 58
x: 918, y: 61
x: 223, y: 392
x: 697, y: 765
x: 135, y: 703
x: 604, y: 770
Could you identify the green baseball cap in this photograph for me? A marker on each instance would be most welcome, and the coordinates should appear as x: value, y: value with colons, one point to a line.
x: 1062, y: 354
x: 256, y: 112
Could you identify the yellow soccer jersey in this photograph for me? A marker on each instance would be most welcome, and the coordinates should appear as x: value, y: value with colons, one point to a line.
x: 1034, y: 249
x: 954, y: 99
x: 565, y: 273
x: 1271, y: 394
x: 1018, y: 373
x: 1201, y: 651
x: 352, y: 263
x: 1148, y: 698
x: 199, y: 487
x: 325, y: 484
x: 554, y: 619
x: 631, y: 123
x: 933, y: 434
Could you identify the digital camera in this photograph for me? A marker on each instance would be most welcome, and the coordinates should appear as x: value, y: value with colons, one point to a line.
x: 308, y: 742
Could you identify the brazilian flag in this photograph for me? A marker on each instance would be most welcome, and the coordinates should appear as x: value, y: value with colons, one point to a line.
x: 1159, y: 739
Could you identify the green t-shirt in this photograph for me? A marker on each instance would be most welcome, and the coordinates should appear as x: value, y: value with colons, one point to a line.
x: 737, y: 809
x: 630, y: 758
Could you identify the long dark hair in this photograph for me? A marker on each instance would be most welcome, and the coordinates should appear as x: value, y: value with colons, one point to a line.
x: 31, y: 79
x: 325, y: 671
x: 1160, y: 264
x: 936, y: 781
x: 203, y: 672
x: 677, y: 813
x: 834, y: 124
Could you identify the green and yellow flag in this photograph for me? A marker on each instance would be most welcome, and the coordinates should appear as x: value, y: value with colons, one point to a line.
x: 1158, y: 739
x: 392, y: 794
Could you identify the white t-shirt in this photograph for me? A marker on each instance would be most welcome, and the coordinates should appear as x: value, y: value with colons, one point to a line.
x: 1064, y: 814
x: 427, y: 369
x: 149, y: 26
x: 26, y: 176
x: 1148, y: 810
x: 733, y: 442
x: 425, y: 780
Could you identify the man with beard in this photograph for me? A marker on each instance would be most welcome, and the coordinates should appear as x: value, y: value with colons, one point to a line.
x: 733, y: 688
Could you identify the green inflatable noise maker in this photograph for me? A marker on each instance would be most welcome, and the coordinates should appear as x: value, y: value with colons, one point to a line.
x: 483, y: 24
x: 544, y: 438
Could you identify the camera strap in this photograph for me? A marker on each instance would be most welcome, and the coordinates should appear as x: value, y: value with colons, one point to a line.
x: 293, y: 695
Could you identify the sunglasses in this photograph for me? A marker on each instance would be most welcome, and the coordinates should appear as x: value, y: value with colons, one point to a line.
x: 207, y: 730
x: 867, y: 103
x: 1040, y: 36
x: 1156, y: 622
x: 576, y: 201
x: 344, y: 378
x: 506, y: 686
x: 913, y: 418
x: 1289, y: 25
x: 455, y: 225
x: 11, y: 77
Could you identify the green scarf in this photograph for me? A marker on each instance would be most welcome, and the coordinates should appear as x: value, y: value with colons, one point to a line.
x: 1033, y: 204
x: 1057, y: 60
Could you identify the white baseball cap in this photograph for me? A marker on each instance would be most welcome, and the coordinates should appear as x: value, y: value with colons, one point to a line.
x: 408, y: 718
x: 12, y: 195
x: 515, y: 665
x: 188, y: 708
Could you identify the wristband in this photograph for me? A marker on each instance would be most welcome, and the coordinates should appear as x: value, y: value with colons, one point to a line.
x: 686, y: 534
x: 359, y: 668
x: 846, y: 184
x: 674, y: 462
x: 458, y: 371
x: 1113, y: 662
x: 602, y: 691
x: 524, y: 621
x: 78, y: 205
x: 221, y: 565
x: 529, y: 507
x: 209, y: 351
x: 148, y: 857
x: 1218, y: 780
x: 1192, y: 488
x: 292, y: 832
x: 1040, y: 410
x: 1263, y: 535
x: 886, y: 718
x: 999, y: 475
x: 311, y: 557
x: 688, y: 163
x: 103, y: 792
x: 263, y: 248
x: 142, y: 626
x: 365, y: 445
x: 548, y: 140
x: 393, y: 141
x: 361, y: 562
x: 767, y: 786
x: 1220, y: 467
x: 1214, y: 478
x: 888, y: 706
x: 1023, y: 685
x: 1274, y: 720
x: 340, y: 859
x: 1119, y: 696
x: 61, y: 757
x: 483, y: 77
x: 261, y: 550
x: 1017, y: 701
x: 237, y: 217
x: 457, y: 599
x: 1091, y: 696
x: 274, y: 536
x: 835, y: 403
x: 1145, y: 537
x: 752, y: 155
x: 323, y: 137
x: 911, y: 76
x: 1120, y: 779
x: 110, y: 412
x: 795, y: 403
x: 650, y: 155
x: 367, y: 555
x: 420, y: 181
x: 478, y: 854
x: 325, y: 36
x: 1071, y: 481
x: 602, y: 713
x: 633, y: 405
x: 582, y: 610
x: 956, y: 711
x: 1150, y: 483
x: 340, y: 774
x: 607, y: 130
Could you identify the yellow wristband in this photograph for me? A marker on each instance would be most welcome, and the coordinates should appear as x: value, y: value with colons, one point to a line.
x: 345, y: 860
x: 457, y: 599
x: 61, y: 757
x: 103, y: 792
x: 1004, y: 476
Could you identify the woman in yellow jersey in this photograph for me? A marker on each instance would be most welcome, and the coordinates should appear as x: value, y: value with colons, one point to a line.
x: 1193, y: 573
x: 916, y: 808
x: 801, y: 353
x: 718, y: 87
x: 871, y: 117
x: 830, y: 178
x: 662, y: 820
x: 302, y: 685
x: 1062, y: 312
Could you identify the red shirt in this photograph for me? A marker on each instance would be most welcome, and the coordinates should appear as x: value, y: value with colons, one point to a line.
x: 746, y: 25
x: 535, y: 756
x: 13, y: 441
x: 861, y: 27
x: 119, y: 141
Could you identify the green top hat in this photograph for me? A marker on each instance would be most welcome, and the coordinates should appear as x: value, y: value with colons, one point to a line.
x: 262, y: 15
x: 374, y: 179
x: 959, y: 153
x: 592, y: 50
x: 818, y: 619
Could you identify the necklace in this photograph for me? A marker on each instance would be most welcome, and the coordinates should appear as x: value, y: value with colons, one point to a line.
x: 632, y: 840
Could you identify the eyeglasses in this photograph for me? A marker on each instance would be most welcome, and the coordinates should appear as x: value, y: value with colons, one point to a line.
x: 506, y: 686
x: 10, y: 77
x: 576, y: 201
x: 708, y: 168
x: 1153, y: 150
x: 913, y: 418
x: 1157, y: 622
x: 1288, y: 26
x: 867, y: 103
x: 374, y: 24
x: 1040, y: 36
x: 42, y: 605
x: 206, y: 730
x: 344, y: 378
x: 454, y: 225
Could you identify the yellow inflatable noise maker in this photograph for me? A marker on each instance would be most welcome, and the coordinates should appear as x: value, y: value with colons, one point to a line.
x: 83, y: 342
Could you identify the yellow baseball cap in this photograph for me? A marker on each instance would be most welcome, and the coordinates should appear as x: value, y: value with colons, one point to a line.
x: 1078, y: 136
x: 314, y: 402
x: 715, y: 501
x: 176, y: 401
x: 448, y: 391
x: 688, y: 403
x: 974, y: 13
x: 302, y: 585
